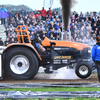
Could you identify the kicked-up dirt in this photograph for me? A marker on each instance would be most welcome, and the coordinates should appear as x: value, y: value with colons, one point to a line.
x: 92, y: 79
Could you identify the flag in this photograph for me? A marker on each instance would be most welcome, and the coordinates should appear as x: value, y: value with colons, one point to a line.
x: 51, y: 3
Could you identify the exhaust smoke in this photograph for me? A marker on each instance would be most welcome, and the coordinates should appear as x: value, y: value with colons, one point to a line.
x: 66, y: 9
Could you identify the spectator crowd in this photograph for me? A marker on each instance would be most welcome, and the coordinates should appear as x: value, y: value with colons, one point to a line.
x: 83, y: 27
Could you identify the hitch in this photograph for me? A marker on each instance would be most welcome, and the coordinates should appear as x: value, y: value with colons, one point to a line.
x: 49, y: 69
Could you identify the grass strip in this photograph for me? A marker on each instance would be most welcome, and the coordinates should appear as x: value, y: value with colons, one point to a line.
x: 53, y: 89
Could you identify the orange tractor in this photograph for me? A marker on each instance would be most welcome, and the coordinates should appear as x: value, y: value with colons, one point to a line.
x: 22, y: 60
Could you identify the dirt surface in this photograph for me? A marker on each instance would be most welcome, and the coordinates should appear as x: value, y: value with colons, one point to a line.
x: 92, y: 79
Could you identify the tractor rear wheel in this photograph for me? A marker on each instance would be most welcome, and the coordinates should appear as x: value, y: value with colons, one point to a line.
x: 20, y: 63
x: 83, y: 70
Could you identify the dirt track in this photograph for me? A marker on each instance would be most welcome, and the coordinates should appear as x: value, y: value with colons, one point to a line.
x: 92, y: 79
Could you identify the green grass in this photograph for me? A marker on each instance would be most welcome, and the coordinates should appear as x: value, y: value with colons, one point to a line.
x: 54, y: 89
x: 62, y: 99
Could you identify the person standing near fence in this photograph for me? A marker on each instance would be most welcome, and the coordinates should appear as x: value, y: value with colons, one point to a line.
x: 96, y: 55
x: 3, y: 14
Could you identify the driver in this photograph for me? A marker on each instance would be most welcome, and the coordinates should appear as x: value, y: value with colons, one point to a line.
x: 38, y: 41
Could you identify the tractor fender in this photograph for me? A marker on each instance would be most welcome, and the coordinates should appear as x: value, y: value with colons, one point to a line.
x: 29, y: 46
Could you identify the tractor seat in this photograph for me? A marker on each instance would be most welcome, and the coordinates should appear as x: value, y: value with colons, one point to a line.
x: 34, y: 44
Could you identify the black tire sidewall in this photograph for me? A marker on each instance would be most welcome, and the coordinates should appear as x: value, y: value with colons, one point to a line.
x: 89, y: 70
x: 33, y: 63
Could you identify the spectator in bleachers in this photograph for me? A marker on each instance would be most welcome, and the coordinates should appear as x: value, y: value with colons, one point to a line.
x: 87, y: 14
x: 8, y: 31
x: 92, y: 41
x: 21, y: 21
x: 23, y: 11
x: 3, y: 14
x: 86, y: 20
x: 32, y: 15
x: 82, y: 23
x: 49, y: 13
x: 80, y: 40
x: 17, y: 15
x: 1, y: 42
x: 77, y: 19
x: 73, y: 19
x: 54, y: 15
x: 7, y: 42
x: 57, y: 26
x: 38, y: 15
x: 77, y: 25
x: 52, y: 37
x: 72, y: 29
x: 83, y: 28
x: 95, y: 15
x: 94, y: 26
x: 13, y: 32
x: 12, y: 40
x: 13, y: 22
x: 81, y: 18
x: 43, y: 13
x: 10, y: 14
x: 58, y: 37
x: 75, y: 14
x: 81, y: 14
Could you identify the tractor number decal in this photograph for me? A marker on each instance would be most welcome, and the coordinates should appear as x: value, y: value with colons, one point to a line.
x: 62, y: 57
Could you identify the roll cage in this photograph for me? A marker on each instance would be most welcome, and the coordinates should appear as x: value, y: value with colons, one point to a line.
x: 22, y: 34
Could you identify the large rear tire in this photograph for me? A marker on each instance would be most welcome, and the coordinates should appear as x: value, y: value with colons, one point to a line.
x: 83, y: 70
x: 20, y: 63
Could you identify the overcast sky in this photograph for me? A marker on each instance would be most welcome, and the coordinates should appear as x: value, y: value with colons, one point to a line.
x: 82, y: 5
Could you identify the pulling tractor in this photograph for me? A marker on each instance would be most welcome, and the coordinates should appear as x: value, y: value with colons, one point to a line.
x: 22, y: 60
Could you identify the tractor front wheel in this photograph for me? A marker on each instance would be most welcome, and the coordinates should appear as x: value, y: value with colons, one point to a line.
x: 83, y: 70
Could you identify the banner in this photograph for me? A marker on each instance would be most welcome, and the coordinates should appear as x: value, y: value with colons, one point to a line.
x: 48, y: 3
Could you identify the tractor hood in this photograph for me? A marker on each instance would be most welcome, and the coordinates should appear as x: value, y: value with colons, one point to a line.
x: 78, y: 46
